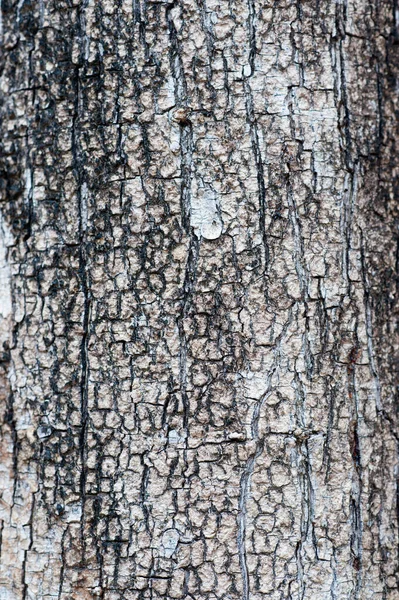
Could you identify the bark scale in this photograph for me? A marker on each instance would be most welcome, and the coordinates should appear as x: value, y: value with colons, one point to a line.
x: 199, y: 273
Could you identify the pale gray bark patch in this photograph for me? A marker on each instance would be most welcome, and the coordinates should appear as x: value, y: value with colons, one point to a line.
x: 170, y: 539
x: 205, y: 214
x: 6, y: 241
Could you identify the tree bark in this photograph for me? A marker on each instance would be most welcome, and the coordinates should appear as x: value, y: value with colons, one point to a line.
x: 199, y: 299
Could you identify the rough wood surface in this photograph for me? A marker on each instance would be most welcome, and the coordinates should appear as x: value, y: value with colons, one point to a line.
x: 199, y: 300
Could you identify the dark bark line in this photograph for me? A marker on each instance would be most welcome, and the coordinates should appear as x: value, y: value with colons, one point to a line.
x: 199, y: 229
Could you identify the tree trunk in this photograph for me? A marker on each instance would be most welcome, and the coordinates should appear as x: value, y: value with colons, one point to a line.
x: 199, y: 294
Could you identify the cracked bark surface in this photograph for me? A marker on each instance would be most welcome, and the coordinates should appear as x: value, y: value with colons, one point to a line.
x: 199, y: 269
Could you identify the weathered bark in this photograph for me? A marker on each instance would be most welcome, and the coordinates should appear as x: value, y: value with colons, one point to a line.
x: 199, y: 297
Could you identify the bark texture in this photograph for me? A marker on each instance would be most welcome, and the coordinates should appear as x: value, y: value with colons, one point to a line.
x: 199, y: 295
